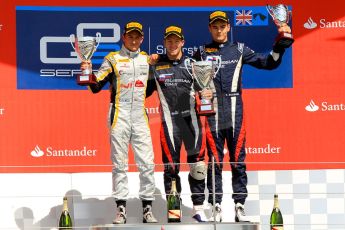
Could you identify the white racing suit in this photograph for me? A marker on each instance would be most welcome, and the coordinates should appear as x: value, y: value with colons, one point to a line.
x: 127, y: 72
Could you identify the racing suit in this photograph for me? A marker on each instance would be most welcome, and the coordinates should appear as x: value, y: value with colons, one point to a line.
x: 228, y: 122
x: 180, y: 123
x: 127, y: 72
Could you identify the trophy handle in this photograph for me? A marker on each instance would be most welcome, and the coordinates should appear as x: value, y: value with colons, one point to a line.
x: 188, y: 64
x: 218, y: 61
x: 269, y: 9
x: 72, y: 39
x: 75, y: 46
x: 289, y: 14
x: 98, y: 39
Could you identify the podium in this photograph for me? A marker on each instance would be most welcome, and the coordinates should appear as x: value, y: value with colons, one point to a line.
x: 180, y: 226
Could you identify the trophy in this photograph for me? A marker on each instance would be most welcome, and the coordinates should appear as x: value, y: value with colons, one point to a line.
x: 85, y: 48
x: 281, y: 14
x: 203, y: 72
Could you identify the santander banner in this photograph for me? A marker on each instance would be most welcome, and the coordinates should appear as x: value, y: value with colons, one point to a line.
x: 294, y: 114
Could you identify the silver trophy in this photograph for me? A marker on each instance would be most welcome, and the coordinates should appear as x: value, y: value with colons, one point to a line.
x: 281, y: 14
x: 85, y: 47
x: 203, y: 72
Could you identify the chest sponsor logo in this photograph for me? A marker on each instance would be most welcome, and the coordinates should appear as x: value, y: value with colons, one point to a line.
x: 163, y: 67
x: 139, y: 83
x: 211, y: 58
x: 174, y: 82
x: 127, y: 86
x: 163, y: 77
x: 123, y: 60
x: 121, y: 72
x: 211, y: 50
x: 124, y: 65
x: 229, y: 62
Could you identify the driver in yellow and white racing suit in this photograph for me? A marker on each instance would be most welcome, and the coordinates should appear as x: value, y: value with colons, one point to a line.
x: 127, y: 72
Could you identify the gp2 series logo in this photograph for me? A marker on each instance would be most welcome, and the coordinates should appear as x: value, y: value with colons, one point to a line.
x: 81, y: 27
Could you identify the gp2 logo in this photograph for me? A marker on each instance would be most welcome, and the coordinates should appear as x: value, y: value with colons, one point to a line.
x: 73, y: 59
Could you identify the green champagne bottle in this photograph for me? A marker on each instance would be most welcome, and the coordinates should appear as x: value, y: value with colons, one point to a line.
x: 276, y: 220
x: 174, y: 204
x: 65, y: 222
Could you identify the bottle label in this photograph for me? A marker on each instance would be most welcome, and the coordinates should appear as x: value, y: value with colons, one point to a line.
x: 174, y: 214
x: 278, y: 228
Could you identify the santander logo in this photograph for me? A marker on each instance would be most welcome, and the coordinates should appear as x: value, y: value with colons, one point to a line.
x: 325, y: 107
x: 53, y: 152
x: 37, y: 152
x: 324, y: 24
x: 310, y: 24
x: 312, y: 107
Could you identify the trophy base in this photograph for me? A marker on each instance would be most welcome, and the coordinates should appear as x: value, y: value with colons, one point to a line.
x: 205, y: 110
x: 284, y: 40
x: 86, y: 79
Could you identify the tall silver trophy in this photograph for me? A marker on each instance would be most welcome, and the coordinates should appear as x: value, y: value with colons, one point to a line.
x: 85, y: 47
x: 203, y: 73
x: 281, y: 14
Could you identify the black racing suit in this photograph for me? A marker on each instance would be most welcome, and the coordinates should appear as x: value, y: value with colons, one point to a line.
x: 228, y: 122
x: 180, y: 123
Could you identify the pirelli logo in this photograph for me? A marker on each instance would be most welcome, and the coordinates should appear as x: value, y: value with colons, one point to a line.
x: 210, y: 50
x: 173, y: 29
x: 217, y: 13
x: 123, y: 60
x: 134, y: 24
x: 163, y: 67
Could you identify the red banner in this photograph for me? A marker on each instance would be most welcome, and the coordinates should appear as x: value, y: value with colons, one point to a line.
x: 294, y: 128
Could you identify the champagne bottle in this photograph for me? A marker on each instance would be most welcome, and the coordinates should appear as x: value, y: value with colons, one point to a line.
x: 174, y: 204
x: 276, y: 220
x: 65, y: 221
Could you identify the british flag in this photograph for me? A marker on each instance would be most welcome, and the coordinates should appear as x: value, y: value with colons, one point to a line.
x: 244, y: 17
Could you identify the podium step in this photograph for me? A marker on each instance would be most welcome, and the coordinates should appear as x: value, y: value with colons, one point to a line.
x: 180, y: 226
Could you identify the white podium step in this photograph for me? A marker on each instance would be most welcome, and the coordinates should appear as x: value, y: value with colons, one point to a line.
x: 180, y: 226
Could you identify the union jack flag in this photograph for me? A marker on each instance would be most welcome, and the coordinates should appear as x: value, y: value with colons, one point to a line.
x: 244, y: 17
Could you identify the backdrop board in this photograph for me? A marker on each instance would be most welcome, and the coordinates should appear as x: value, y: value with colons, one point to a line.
x: 293, y: 114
